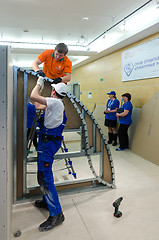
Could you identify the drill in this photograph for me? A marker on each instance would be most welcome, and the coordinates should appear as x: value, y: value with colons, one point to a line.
x: 116, y: 204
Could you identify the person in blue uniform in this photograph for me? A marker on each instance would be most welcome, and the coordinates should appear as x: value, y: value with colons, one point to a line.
x: 110, y: 117
x: 125, y: 122
x: 31, y: 111
x: 50, y: 139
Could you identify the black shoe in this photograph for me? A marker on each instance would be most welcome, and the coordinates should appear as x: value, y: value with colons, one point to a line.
x: 109, y: 142
x: 41, y: 204
x: 114, y: 143
x: 51, y: 222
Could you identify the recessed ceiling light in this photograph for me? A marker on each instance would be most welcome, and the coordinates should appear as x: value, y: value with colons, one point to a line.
x: 85, y: 18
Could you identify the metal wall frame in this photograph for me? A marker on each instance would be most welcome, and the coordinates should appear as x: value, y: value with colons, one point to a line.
x: 3, y: 142
x: 92, y: 139
x: 14, y: 134
x: 24, y: 130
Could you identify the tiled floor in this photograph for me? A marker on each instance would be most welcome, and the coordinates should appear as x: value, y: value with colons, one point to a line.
x: 89, y: 214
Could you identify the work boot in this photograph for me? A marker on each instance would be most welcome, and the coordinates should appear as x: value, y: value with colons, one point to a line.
x: 51, y: 222
x: 41, y: 204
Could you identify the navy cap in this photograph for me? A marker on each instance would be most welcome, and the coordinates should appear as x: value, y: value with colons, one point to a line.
x: 112, y: 93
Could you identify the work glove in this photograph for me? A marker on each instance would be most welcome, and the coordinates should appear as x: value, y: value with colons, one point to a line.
x: 41, y: 73
x: 40, y: 82
x: 57, y: 80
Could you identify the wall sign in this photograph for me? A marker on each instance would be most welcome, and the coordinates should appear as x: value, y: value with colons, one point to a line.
x: 89, y: 94
x: 141, y: 62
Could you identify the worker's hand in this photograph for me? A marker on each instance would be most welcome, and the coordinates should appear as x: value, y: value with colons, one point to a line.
x: 41, y: 73
x: 57, y: 80
x: 40, y: 82
x: 106, y: 111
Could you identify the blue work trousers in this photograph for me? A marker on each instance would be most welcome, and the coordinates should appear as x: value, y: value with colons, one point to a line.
x: 46, y: 152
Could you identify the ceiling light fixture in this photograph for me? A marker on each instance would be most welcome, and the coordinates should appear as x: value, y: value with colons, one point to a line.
x: 85, y: 18
x: 82, y: 40
x: 124, y: 23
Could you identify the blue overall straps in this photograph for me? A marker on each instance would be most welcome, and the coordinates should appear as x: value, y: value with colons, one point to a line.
x: 46, y: 152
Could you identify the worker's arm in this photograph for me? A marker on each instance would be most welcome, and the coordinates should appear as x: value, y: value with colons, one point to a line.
x: 35, y: 96
x: 123, y: 114
x: 35, y: 65
x: 66, y: 78
x: 39, y: 106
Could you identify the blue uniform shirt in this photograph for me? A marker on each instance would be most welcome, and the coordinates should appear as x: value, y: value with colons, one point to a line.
x: 127, y: 119
x: 111, y: 105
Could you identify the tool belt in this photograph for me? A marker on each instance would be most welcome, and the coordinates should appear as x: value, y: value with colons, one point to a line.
x: 47, y: 138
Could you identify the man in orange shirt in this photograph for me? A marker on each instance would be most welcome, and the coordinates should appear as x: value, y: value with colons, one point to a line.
x: 57, y: 65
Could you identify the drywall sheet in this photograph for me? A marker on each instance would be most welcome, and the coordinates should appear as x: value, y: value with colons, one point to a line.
x: 146, y: 143
x: 73, y: 119
x: 132, y: 128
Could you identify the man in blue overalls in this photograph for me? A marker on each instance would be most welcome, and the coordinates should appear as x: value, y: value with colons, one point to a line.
x: 50, y: 137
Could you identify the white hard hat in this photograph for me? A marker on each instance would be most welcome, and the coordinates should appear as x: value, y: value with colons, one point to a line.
x: 60, y: 88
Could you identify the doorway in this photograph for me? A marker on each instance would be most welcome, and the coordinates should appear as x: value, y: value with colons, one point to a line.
x: 74, y: 88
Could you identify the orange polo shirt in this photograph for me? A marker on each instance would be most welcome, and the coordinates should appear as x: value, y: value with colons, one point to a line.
x: 52, y: 67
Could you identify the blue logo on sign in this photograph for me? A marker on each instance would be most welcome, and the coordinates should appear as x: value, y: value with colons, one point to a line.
x: 128, y: 68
